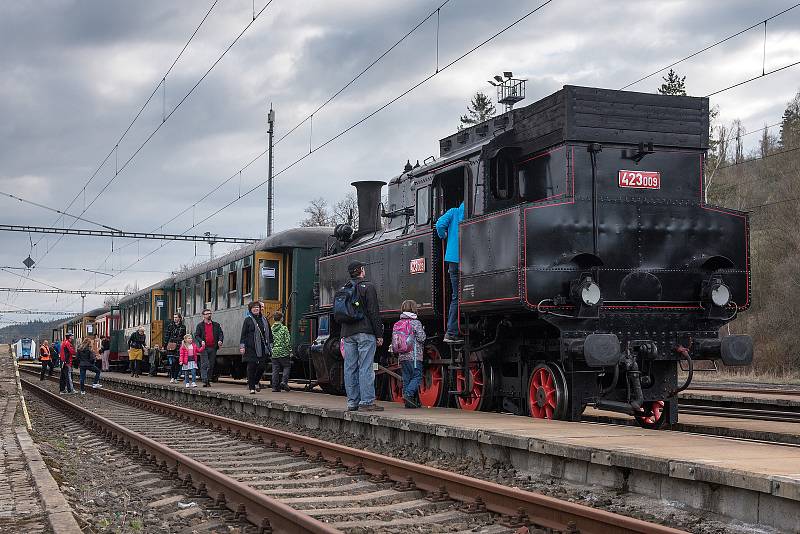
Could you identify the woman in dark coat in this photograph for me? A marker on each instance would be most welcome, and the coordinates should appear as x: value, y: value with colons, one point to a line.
x: 173, y: 337
x: 255, y: 345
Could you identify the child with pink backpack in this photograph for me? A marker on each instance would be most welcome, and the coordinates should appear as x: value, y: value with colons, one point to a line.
x: 408, y: 342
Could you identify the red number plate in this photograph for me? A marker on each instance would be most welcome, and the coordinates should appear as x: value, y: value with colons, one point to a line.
x: 640, y: 179
x: 417, y: 266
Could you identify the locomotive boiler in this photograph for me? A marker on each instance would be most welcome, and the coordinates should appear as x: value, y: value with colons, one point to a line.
x: 591, y: 267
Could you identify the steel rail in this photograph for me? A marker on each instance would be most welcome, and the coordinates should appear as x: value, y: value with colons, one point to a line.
x: 772, y: 390
x: 244, y: 500
x: 516, y: 505
x: 739, y: 413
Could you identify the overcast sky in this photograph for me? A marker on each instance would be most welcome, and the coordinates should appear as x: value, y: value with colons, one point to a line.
x: 74, y: 75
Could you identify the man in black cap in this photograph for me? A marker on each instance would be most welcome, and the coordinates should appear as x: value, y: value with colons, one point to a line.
x: 361, y: 338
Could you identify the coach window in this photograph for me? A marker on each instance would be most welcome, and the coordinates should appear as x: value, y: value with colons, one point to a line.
x: 247, y: 283
x: 187, y: 299
x: 270, y: 280
x: 232, y: 288
x: 199, y: 294
x: 422, y: 213
x: 179, y: 300
x: 147, y: 312
x: 208, y: 294
x: 220, y: 290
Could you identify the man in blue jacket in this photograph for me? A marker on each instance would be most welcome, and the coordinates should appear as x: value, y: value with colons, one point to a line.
x: 447, y: 228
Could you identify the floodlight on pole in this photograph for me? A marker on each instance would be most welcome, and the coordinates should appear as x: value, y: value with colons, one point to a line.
x: 510, y: 90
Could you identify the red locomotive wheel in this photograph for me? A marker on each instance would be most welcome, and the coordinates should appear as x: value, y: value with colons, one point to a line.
x: 432, y: 386
x: 473, y: 384
x: 547, y: 393
x: 657, y: 415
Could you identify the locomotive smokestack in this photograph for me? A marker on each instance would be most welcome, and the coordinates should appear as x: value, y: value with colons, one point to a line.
x: 369, y: 199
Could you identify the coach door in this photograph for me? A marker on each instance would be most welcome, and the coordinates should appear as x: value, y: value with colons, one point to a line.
x: 270, y: 281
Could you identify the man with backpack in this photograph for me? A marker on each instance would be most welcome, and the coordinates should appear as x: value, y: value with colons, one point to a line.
x: 355, y: 307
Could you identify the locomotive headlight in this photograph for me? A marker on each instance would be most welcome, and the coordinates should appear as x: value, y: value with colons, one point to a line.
x: 720, y: 294
x: 590, y: 293
x: 586, y: 291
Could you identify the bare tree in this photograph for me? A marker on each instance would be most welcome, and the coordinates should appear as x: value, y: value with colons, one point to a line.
x: 767, y: 143
x: 317, y: 213
x: 111, y: 300
x: 346, y: 210
x: 737, y: 131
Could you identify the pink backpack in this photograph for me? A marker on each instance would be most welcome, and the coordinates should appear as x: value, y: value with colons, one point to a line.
x: 403, y: 337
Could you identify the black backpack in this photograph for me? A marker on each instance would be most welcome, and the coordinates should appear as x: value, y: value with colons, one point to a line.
x: 347, y: 306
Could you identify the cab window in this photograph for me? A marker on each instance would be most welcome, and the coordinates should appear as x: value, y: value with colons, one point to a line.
x: 542, y: 176
x: 501, y: 178
x: 422, y: 212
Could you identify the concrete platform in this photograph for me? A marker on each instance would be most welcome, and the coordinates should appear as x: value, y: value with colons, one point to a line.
x: 750, y: 481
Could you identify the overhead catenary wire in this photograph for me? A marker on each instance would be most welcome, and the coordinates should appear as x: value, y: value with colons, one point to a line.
x: 349, y: 128
x: 115, y: 148
x: 713, y: 45
x: 308, y: 117
x: 63, y: 213
x: 152, y: 134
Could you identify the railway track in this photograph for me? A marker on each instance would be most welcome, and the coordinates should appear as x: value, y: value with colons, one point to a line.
x: 284, y: 482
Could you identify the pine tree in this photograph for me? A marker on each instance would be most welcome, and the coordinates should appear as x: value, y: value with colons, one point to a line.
x: 479, y: 110
x: 673, y: 84
x: 790, y: 125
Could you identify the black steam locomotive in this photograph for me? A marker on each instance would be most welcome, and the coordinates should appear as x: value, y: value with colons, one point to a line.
x: 591, y: 267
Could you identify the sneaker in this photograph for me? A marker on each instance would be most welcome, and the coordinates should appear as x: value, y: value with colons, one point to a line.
x: 453, y: 338
x: 194, y: 384
x: 171, y: 380
x: 371, y: 408
x: 410, y: 403
x: 187, y: 385
x: 258, y: 388
x: 95, y: 386
x: 286, y: 389
x: 205, y: 384
x: 83, y: 393
x: 252, y: 392
x: 352, y: 408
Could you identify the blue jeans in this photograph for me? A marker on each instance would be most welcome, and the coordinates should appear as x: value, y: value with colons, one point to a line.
x: 452, y: 316
x: 186, y: 375
x: 96, y: 375
x: 412, y: 378
x: 359, y: 377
